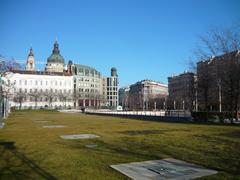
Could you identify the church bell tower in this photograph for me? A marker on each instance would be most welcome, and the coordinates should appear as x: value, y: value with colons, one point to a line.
x: 30, y: 66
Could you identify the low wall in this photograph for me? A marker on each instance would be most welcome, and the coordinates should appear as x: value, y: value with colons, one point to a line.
x: 146, y: 117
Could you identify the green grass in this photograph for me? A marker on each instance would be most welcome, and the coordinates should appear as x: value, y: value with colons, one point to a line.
x: 28, y: 151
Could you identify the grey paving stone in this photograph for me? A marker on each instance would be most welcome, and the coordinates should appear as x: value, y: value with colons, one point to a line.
x: 79, y: 136
x: 2, y: 124
x: 163, y: 169
x: 54, y: 126
x: 92, y: 146
x: 42, y: 121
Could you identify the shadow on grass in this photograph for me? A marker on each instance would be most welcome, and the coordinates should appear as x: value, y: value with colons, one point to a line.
x: 141, y: 151
x: 9, y: 153
x: 167, y: 119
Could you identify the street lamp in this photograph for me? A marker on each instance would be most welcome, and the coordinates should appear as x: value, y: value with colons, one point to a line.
x: 220, y: 95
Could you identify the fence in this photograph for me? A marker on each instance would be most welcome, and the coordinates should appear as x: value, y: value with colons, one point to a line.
x: 147, y: 115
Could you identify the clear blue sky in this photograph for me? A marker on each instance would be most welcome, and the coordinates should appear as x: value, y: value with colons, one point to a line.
x: 143, y: 39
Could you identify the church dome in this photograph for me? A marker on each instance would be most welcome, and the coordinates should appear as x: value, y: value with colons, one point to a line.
x: 55, y: 56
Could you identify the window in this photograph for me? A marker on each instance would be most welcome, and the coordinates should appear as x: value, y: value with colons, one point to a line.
x: 86, y: 72
x: 46, y: 83
x: 20, y: 82
x: 25, y: 82
x: 81, y: 71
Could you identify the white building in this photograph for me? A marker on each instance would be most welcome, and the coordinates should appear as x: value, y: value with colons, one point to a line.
x: 40, y: 89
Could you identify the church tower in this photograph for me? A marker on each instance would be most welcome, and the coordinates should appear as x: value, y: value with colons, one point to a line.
x: 30, y: 66
x: 55, y: 62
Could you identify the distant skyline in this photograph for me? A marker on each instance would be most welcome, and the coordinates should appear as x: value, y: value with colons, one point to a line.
x: 143, y: 39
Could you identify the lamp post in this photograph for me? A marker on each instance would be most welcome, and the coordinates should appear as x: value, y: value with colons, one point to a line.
x: 1, y: 99
x: 220, y: 95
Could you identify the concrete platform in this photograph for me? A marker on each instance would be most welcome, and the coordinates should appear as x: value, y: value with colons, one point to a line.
x: 2, y: 124
x: 163, y: 169
x: 42, y: 121
x: 80, y: 136
x: 54, y: 126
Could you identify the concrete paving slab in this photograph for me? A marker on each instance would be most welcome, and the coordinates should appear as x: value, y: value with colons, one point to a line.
x: 42, y: 121
x: 79, y: 136
x: 92, y: 146
x: 54, y: 126
x: 2, y: 124
x: 163, y: 169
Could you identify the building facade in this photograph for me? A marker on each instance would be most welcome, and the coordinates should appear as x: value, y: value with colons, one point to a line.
x: 181, y: 90
x: 39, y: 89
x: 61, y: 86
x: 218, y: 83
x: 87, y: 86
x: 112, y: 89
x: 124, y: 97
x: 147, y: 94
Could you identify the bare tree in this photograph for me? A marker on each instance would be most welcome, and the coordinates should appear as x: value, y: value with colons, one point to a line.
x: 220, y: 50
x: 36, y: 96
x: 8, y: 64
x: 64, y: 97
x: 218, y: 41
x: 49, y: 97
x: 19, y: 97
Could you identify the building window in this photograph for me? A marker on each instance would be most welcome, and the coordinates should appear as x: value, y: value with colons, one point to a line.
x: 86, y: 72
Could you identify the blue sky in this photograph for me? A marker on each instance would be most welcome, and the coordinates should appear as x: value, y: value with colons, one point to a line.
x: 143, y: 39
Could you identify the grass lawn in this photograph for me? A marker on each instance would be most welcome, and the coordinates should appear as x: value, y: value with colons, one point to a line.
x: 28, y: 151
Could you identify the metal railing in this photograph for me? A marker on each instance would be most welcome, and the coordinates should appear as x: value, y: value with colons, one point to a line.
x: 175, y: 113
